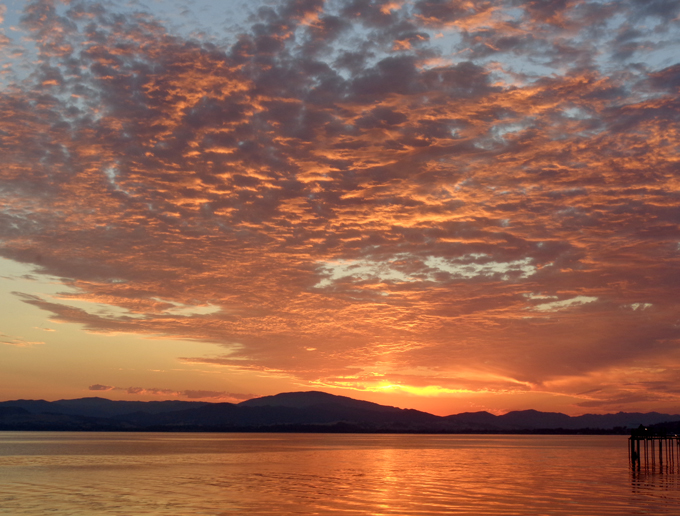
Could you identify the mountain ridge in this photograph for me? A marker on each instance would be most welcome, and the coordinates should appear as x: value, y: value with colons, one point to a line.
x: 311, y: 411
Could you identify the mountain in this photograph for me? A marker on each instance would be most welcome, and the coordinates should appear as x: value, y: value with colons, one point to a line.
x: 311, y: 399
x: 298, y: 412
x: 303, y: 411
x: 100, y: 407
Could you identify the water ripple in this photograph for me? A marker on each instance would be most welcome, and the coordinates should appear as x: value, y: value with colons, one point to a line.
x: 305, y: 474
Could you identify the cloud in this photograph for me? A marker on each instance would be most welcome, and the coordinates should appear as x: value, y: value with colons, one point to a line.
x: 193, y: 395
x: 564, y: 303
x: 18, y: 341
x: 189, y: 394
x: 334, y: 177
x: 99, y: 387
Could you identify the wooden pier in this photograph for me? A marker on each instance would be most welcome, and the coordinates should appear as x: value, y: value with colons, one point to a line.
x: 654, y: 451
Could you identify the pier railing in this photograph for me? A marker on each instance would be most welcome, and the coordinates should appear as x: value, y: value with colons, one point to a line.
x: 654, y: 450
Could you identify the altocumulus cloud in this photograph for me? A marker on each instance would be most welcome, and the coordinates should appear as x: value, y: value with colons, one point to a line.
x: 430, y: 193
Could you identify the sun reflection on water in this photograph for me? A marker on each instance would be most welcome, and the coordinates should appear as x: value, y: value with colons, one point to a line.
x: 321, y: 474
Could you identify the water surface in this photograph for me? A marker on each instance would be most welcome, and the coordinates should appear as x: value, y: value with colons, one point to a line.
x: 306, y: 474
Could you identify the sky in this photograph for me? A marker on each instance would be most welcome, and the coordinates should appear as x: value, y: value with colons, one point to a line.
x: 445, y: 205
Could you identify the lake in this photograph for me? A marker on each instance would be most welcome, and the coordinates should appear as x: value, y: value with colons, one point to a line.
x: 64, y: 473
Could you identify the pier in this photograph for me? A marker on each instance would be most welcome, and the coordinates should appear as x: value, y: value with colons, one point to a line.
x: 653, y: 450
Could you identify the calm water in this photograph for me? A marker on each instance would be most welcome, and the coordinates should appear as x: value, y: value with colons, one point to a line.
x: 284, y: 474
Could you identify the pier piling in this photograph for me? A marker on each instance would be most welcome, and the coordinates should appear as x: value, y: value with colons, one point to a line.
x: 645, y: 458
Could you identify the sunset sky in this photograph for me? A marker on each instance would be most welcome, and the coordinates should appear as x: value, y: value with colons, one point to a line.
x: 444, y: 205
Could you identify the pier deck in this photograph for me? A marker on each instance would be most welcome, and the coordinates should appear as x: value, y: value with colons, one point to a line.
x: 650, y: 451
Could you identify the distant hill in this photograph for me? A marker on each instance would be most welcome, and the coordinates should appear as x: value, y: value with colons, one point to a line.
x: 298, y: 412
x: 100, y: 407
x: 311, y: 399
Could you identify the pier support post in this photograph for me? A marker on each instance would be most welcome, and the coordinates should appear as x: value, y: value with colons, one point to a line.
x: 642, y: 446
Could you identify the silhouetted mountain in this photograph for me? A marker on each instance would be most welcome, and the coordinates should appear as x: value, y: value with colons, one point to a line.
x: 297, y: 411
x: 12, y: 411
x: 101, y: 407
x: 475, y: 420
x: 313, y: 398
x: 625, y: 419
x: 533, y: 419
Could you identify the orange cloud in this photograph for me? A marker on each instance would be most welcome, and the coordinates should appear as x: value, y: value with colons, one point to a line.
x: 379, y: 217
x: 17, y: 341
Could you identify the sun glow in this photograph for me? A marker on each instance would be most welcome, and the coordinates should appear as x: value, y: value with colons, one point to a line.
x: 428, y: 391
